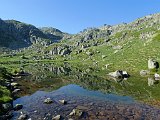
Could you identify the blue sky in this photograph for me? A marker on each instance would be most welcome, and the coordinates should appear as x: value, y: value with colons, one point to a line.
x: 73, y: 16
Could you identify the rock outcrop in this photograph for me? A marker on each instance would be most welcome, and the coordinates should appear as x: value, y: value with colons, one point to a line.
x: 119, y: 74
x: 15, y: 35
x: 153, y: 64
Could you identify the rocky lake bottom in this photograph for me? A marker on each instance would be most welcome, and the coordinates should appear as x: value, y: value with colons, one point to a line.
x: 94, y: 105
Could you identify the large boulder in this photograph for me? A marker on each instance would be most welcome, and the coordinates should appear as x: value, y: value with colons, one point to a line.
x: 153, y: 64
x: 119, y: 74
x: 7, y: 107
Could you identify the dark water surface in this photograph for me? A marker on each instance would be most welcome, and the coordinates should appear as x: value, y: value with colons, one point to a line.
x: 98, y: 98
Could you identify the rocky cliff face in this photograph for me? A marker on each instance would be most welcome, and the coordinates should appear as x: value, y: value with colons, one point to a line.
x: 15, y: 34
x: 145, y: 29
x: 53, y: 33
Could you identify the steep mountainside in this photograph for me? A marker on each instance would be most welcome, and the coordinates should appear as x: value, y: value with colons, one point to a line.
x: 53, y: 33
x: 123, y: 46
x: 116, y: 37
x: 15, y: 34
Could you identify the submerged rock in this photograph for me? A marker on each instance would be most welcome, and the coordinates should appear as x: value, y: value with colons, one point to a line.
x: 48, y: 101
x: 63, y: 102
x: 18, y: 107
x: 58, y: 117
x: 76, y: 112
x: 23, y: 116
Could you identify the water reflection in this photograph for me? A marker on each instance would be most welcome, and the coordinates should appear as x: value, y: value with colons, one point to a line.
x: 152, y: 81
x: 52, y: 76
x: 49, y: 77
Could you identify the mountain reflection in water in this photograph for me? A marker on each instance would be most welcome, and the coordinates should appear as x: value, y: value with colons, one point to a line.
x: 84, y: 87
x: 50, y: 77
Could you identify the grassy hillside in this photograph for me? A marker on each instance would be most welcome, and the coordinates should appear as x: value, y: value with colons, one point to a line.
x: 120, y: 47
x: 124, y: 46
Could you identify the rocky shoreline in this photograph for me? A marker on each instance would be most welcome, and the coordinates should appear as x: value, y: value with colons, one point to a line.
x: 8, y: 108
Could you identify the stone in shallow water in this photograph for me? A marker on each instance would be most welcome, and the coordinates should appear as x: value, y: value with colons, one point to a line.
x: 76, y: 112
x: 58, y: 117
x: 18, y: 107
x: 79, y: 107
x: 22, y: 116
x: 63, y: 102
x: 7, y: 106
x: 48, y: 101
x: 15, y: 91
x: 14, y: 84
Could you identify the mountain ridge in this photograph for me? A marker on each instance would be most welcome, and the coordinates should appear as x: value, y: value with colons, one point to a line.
x: 15, y: 34
x: 124, y: 46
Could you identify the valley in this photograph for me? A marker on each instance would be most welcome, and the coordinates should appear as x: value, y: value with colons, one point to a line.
x: 55, y: 61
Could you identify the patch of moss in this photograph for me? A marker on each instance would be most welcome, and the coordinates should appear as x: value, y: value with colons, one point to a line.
x: 5, y: 95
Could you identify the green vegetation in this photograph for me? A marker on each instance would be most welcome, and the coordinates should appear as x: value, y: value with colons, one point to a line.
x: 5, y: 94
x: 123, y: 47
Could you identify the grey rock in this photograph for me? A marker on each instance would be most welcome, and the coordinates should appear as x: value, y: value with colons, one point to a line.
x: 58, y: 117
x: 65, y: 52
x: 144, y: 72
x: 119, y: 74
x: 16, y: 91
x: 77, y: 44
x: 48, y: 101
x: 18, y: 107
x: 24, y: 35
x: 157, y: 76
x: 76, y: 112
x: 153, y: 64
x: 151, y: 81
x: 14, y: 84
x: 104, y: 56
x: 89, y: 53
x: 23, y: 116
x: 106, y: 66
x: 63, y: 102
x: 84, y: 46
x: 7, y: 106
x: 117, y: 47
